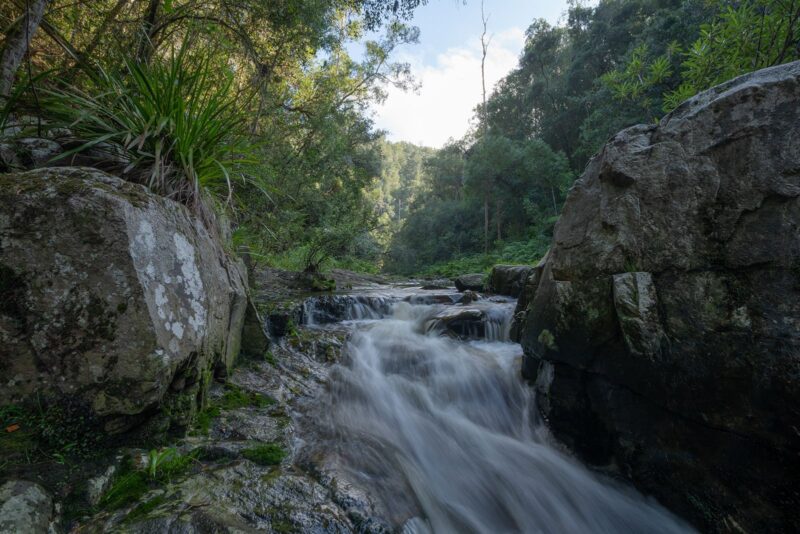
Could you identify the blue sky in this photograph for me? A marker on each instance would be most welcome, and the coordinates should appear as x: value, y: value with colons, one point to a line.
x: 447, y: 63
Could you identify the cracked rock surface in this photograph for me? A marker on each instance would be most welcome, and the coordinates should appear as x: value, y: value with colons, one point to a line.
x: 663, y: 327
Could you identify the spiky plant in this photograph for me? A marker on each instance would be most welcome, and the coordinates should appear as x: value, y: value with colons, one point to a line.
x: 171, y: 124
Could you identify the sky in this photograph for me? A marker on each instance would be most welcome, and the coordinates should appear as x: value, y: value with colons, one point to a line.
x: 447, y: 62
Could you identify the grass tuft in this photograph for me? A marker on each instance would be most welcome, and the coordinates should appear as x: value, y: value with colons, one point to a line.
x: 173, y: 124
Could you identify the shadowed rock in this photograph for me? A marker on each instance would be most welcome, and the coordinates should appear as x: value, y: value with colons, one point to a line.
x: 508, y: 279
x: 472, y: 282
x: 663, y: 327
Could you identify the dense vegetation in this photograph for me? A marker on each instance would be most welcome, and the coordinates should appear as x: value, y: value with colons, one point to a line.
x: 495, y: 194
x: 248, y: 108
x: 254, y: 110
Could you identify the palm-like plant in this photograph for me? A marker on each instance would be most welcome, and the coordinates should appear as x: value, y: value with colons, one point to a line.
x: 171, y: 124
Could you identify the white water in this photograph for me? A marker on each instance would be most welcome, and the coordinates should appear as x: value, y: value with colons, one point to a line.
x: 447, y: 430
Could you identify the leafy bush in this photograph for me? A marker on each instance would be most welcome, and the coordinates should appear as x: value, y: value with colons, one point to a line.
x: 518, y: 252
x: 171, y: 124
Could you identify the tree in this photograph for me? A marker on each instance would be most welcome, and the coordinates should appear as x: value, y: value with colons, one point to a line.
x: 17, y: 41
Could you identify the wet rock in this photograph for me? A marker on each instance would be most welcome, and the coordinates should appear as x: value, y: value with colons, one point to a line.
x: 25, y: 507
x: 469, y: 297
x: 436, y: 285
x: 508, y: 279
x: 111, y: 296
x: 255, y: 338
x: 662, y: 327
x: 473, y: 282
x: 334, y: 308
x: 433, y: 298
x: 97, y: 486
x: 461, y: 322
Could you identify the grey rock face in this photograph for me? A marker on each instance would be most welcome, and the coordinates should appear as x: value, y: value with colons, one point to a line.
x: 25, y: 508
x: 663, y: 328
x: 508, y: 279
x: 471, y: 282
x: 111, y: 295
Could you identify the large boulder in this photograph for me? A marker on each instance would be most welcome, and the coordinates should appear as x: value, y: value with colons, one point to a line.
x: 508, y: 280
x: 112, y: 297
x: 469, y: 282
x: 663, y: 328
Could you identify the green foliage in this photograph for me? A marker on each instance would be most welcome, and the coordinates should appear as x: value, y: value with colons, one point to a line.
x: 58, y: 431
x: 739, y: 38
x: 204, y: 419
x: 513, y: 253
x: 166, y: 463
x: 175, y: 126
x: 128, y: 487
x: 235, y: 397
x: 130, y: 484
x: 269, y: 454
x: 522, y: 183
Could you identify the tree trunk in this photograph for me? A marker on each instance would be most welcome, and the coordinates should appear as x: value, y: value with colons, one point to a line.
x: 101, y: 31
x: 18, y: 40
x: 145, y: 51
x: 497, y: 218
x: 486, y: 224
x: 484, y: 49
x: 555, y: 206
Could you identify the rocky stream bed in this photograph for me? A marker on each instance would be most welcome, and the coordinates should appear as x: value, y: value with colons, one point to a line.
x: 389, y: 409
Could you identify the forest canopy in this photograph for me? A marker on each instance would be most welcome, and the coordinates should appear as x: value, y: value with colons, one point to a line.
x: 495, y: 195
x: 254, y: 110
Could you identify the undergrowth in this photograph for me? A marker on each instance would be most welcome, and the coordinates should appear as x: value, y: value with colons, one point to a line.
x: 130, y: 484
x: 515, y: 253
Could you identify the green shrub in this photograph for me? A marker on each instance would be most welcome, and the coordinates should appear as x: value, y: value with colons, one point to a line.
x: 173, y: 121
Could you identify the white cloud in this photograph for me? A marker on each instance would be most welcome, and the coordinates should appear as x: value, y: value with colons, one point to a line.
x: 451, y: 88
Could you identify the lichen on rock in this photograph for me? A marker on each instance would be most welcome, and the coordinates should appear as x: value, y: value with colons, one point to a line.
x: 115, y: 296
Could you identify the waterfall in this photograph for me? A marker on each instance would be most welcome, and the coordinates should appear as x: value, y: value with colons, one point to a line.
x: 335, y: 308
x: 444, y: 434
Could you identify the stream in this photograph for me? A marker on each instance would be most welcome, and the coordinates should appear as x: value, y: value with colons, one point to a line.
x: 428, y: 413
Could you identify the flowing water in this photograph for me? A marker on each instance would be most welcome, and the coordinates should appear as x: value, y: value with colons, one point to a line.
x: 446, y: 436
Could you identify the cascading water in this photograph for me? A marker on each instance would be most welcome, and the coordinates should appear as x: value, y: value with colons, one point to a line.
x: 444, y: 434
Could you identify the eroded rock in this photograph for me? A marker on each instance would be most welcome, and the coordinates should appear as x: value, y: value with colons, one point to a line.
x: 472, y: 282
x: 112, y: 296
x: 25, y: 507
x: 508, y: 280
x: 663, y: 328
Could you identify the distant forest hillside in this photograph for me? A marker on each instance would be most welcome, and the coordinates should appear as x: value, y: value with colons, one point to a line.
x: 495, y: 195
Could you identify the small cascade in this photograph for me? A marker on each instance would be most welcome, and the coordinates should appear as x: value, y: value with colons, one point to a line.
x: 497, y: 323
x: 335, y: 308
x: 445, y: 436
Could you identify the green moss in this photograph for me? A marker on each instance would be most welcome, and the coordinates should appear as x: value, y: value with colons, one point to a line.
x: 204, y: 419
x: 269, y: 357
x: 269, y: 454
x: 283, y: 526
x: 128, y: 487
x: 547, y: 339
x: 171, y: 464
x: 319, y: 283
x: 145, y: 508
x: 236, y: 397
